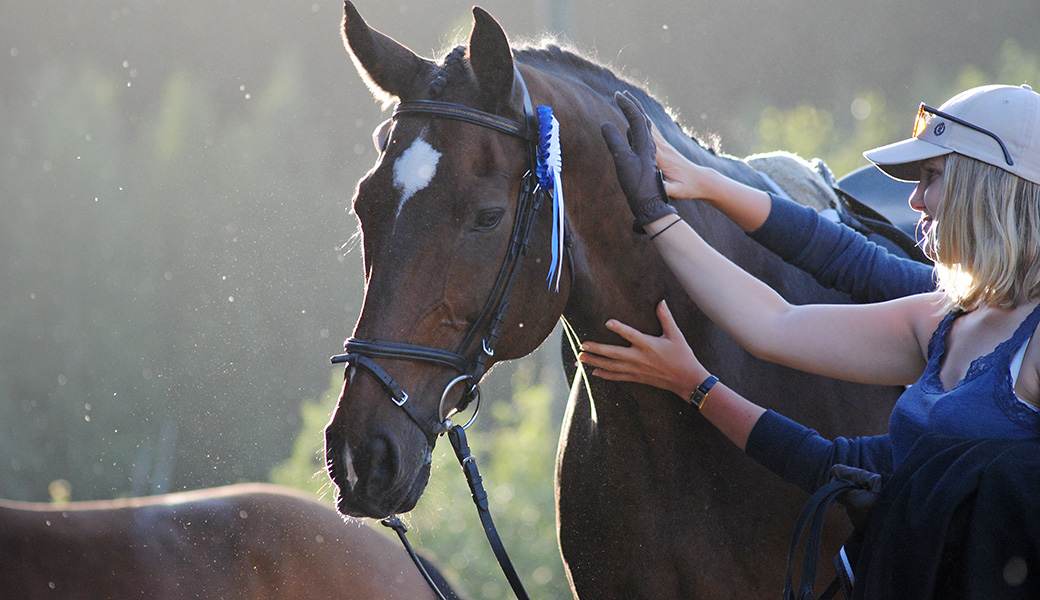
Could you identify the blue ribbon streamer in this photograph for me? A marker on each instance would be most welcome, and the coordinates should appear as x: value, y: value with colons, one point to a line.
x: 550, y: 164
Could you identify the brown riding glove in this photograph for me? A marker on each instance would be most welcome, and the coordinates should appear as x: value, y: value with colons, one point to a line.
x: 636, y: 164
x: 859, y: 503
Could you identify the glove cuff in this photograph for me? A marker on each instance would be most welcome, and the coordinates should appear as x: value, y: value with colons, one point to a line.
x: 653, y: 208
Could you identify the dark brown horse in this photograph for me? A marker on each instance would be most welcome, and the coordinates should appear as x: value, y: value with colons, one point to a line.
x: 243, y: 542
x: 652, y: 501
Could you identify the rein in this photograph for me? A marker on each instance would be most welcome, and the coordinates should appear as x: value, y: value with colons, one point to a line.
x: 362, y: 353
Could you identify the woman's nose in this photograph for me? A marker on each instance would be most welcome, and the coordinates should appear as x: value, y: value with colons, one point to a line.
x: 917, y: 199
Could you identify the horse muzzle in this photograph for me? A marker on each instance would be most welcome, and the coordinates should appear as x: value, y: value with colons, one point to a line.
x: 376, y: 479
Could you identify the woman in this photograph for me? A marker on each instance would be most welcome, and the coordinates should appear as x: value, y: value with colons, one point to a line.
x: 977, y: 161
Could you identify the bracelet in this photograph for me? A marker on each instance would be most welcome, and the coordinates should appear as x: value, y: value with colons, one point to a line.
x: 698, y: 395
x: 665, y: 228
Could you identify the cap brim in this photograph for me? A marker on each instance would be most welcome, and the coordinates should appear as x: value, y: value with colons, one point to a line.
x: 900, y: 160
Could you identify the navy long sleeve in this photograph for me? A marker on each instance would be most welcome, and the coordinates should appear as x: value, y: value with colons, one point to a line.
x: 839, y: 258
x: 803, y: 457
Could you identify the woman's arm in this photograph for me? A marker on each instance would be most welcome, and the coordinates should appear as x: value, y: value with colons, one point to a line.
x: 879, y: 343
x: 837, y: 256
x: 682, y: 178
x: 792, y: 451
x: 883, y: 343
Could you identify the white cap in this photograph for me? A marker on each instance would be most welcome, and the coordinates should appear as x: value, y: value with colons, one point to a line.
x: 1010, y: 113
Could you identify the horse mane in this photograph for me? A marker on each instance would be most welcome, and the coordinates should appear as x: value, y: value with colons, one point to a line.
x: 569, y: 63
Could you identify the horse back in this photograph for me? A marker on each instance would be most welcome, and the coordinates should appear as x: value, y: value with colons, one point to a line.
x: 249, y: 542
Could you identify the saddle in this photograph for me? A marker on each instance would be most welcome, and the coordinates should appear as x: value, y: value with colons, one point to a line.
x: 866, y: 196
x: 866, y: 200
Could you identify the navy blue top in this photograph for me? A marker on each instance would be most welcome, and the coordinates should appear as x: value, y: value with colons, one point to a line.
x: 838, y: 257
x: 982, y: 405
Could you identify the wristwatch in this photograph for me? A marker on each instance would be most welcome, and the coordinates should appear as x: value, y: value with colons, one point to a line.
x: 698, y: 395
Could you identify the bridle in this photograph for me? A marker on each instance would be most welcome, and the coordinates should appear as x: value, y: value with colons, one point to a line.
x: 488, y: 326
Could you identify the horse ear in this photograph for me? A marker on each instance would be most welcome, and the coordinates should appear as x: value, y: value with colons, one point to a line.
x: 491, y: 59
x: 388, y: 68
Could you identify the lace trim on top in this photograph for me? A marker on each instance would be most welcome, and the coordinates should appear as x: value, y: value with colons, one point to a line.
x: 1005, y: 398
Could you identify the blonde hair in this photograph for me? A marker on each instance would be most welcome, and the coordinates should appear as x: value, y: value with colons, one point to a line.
x: 986, y: 239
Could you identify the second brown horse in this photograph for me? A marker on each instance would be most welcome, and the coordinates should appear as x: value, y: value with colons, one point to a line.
x: 242, y: 542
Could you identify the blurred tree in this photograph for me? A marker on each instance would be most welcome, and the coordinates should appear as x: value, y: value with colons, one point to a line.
x: 153, y: 272
x: 812, y: 132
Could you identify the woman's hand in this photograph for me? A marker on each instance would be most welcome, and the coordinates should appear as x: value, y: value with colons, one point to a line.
x: 747, y: 207
x: 683, y: 179
x: 637, y: 173
x: 666, y: 362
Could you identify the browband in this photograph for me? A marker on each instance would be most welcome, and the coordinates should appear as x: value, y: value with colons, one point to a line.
x: 460, y: 112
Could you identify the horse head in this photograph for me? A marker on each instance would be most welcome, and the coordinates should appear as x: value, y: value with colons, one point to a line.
x: 454, y: 281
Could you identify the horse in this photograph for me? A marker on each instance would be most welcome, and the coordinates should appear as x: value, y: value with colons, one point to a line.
x: 651, y: 501
x: 242, y: 542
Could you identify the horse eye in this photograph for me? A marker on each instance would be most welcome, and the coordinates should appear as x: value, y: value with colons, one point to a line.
x: 380, y: 134
x: 488, y: 219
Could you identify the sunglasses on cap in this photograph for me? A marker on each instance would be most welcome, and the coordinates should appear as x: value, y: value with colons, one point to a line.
x: 925, y: 114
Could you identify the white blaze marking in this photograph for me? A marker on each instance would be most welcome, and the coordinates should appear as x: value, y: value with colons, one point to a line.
x: 414, y: 170
x: 352, y: 477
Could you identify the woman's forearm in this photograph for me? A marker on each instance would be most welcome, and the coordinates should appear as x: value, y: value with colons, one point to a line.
x: 879, y: 343
x: 740, y: 304
x: 731, y: 413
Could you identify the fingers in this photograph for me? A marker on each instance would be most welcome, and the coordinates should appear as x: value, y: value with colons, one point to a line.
x: 616, y: 143
x: 631, y: 334
x: 604, y: 350
x: 668, y: 326
x: 638, y: 121
x: 609, y: 368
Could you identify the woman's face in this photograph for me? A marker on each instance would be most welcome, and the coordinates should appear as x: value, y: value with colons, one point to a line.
x: 928, y: 194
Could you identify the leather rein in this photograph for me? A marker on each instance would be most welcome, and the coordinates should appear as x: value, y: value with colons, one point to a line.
x: 488, y: 326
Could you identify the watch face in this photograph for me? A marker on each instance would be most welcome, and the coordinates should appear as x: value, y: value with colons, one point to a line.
x: 699, y: 394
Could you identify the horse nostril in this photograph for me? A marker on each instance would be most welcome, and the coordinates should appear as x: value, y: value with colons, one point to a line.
x: 377, y: 465
x: 348, y: 462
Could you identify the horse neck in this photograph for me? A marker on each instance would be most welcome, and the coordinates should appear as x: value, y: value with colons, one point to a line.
x: 617, y: 273
x: 697, y: 152
x: 614, y: 269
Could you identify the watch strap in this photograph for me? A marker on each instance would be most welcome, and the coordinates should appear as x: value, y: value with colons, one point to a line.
x: 698, y: 395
